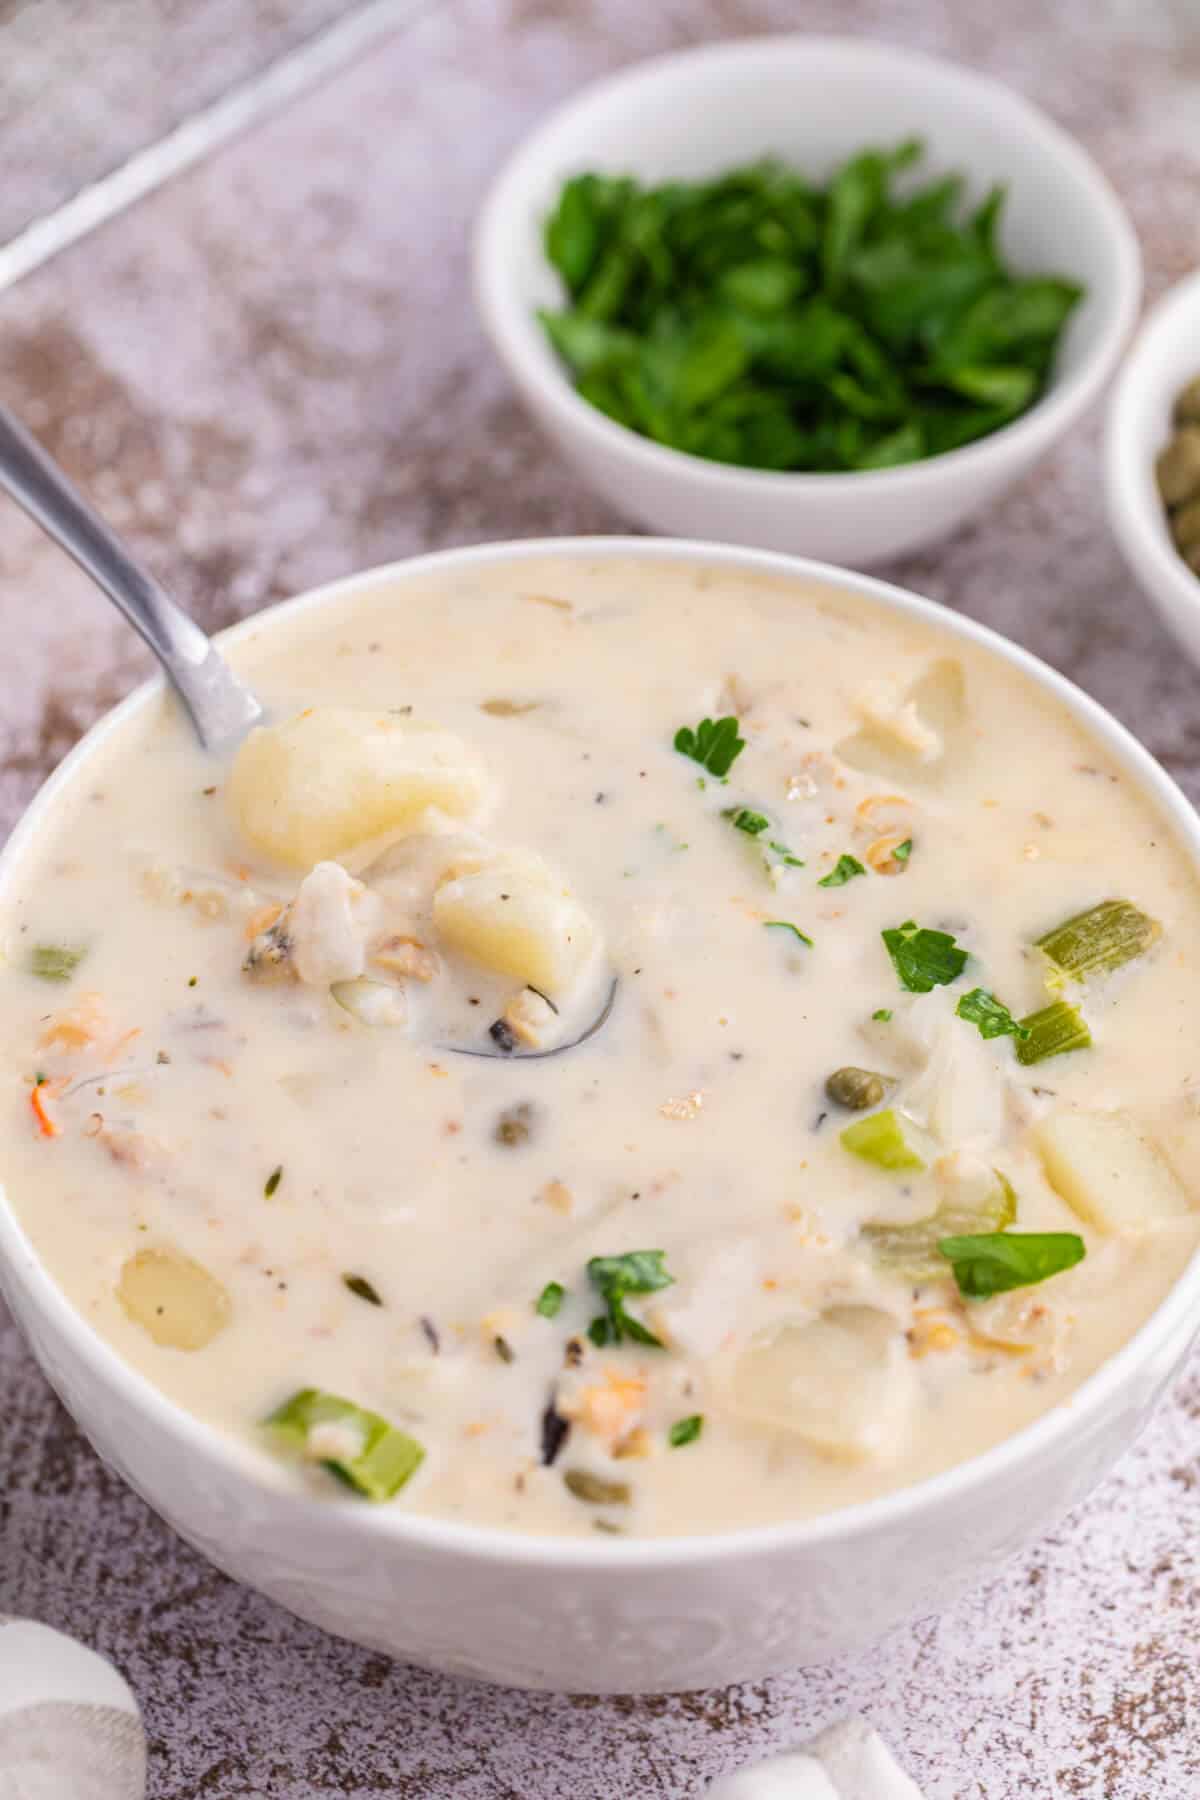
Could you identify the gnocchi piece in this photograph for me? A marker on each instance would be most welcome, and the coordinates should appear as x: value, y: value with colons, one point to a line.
x: 843, y: 1382
x: 517, y: 916
x: 174, y: 1299
x: 336, y: 777
x: 1109, y: 1172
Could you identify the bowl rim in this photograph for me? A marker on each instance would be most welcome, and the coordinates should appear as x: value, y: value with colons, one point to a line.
x: 484, y: 1543
x: 1051, y: 414
x: 1135, y: 510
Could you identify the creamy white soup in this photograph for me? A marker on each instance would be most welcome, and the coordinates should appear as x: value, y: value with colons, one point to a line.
x: 627, y: 1047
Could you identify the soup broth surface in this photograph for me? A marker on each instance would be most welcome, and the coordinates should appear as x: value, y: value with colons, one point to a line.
x: 247, y: 1138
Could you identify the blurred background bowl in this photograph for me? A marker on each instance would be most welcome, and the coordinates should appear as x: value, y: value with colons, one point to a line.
x: 812, y: 102
x: 1164, y: 358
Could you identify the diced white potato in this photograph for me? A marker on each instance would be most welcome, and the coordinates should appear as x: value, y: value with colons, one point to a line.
x: 173, y: 1298
x: 912, y: 732
x: 329, y: 924
x: 1108, y: 1171
x: 336, y: 777
x: 842, y: 1382
x: 518, y: 917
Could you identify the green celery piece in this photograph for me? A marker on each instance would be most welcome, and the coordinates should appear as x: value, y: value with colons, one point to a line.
x: 54, y: 962
x: 912, y: 1252
x: 880, y: 1139
x: 1098, y: 941
x: 388, y: 1457
x: 1052, y: 1031
x: 995, y: 1262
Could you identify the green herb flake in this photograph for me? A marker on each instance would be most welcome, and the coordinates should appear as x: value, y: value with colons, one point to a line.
x: 903, y: 851
x: 549, y: 1301
x: 685, y: 1431
x: 743, y: 818
x: 272, y: 1182
x: 882, y: 1014
x: 786, y: 925
x: 357, y: 1284
x: 714, y: 744
x: 999, y: 1260
x: 990, y: 1015
x: 614, y: 1277
x: 844, y: 870
x: 54, y: 962
x: 923, y: 959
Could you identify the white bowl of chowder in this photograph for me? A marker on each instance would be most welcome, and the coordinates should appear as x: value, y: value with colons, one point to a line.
x: 848, y: 1251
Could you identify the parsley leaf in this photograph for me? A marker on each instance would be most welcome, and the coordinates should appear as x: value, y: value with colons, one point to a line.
x: 991, y: 1015
x: 903, y: 851
x: 786, y: 925
x: 883, y: 1014
x: 714, y: 744
x: 550, y: 1300
x: 923, y: 959
x: 996, y: 1261
x: 846, y: 868
x: 685, y: 1431
x: 743, y: 819
x: 636, y: 1272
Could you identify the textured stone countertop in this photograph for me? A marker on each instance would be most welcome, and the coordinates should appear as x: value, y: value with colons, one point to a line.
x: 268, y: 373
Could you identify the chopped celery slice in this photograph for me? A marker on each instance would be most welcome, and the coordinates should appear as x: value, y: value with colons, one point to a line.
x: 1098, y: 941
x: 912, y: 1250
x: 382, y: 1459
x: 1056, y: 1028
x: 881, y: 1139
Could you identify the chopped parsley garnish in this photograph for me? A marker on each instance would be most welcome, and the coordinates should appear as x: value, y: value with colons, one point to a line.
x: 786, y: 925
x: 883, y: 1014
x: 845, y: 869
x: 636, y: 1272
x: 685, y: 1431
x: 742, y: 818
x: 991, y: 1015
x: 923, y: 959
x: 273, y: 1181
x: 54, y: 962
x: 550, y: 1300
x: 360, y: 1286
x: 714, y: 744
x: 996, y: 1261
x: 903, y: 851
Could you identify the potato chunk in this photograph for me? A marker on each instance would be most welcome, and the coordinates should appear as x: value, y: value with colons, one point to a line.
x: 517, y: 916
x: 842, y: 1382
x: 336, y: 777
x: 1108, y: 1171
x: 176, y: 1300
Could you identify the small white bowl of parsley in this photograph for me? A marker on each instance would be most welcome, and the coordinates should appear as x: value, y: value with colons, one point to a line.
x: 814, y: 294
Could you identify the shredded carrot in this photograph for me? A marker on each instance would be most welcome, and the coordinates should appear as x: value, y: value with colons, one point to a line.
x: 46, y: 1125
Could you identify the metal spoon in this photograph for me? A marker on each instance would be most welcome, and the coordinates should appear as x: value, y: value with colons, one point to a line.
x: 221, y: 708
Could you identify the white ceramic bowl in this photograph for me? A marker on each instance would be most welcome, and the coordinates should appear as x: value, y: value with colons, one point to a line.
x: 812, y: 101
x: 607, y: 1615
x: 1164, y: 357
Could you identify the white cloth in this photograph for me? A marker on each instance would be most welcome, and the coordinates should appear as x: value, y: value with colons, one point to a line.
x: 69, y: 1724
x: 849, y: 1761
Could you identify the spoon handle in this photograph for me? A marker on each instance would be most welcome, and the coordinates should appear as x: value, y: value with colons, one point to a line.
x: 221, y: 708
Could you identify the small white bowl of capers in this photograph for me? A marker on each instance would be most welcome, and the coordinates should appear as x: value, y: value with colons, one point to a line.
x: 1152, y: 460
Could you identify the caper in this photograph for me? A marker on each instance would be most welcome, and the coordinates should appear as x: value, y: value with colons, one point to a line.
x: 515, y: 1124
x: 1178, y: 467
x: 1185, y: 525
x: 595, y: 1490
x: 1187, y: 404
x: 856, y: 1089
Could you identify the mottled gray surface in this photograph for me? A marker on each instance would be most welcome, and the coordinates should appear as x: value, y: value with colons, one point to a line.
x: 269, y: 374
